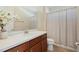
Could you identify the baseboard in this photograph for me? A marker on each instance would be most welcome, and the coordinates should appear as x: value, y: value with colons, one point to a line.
x: 64, y: 47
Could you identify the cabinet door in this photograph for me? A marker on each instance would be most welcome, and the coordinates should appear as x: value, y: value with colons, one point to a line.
x: 23, y: 47
x: 44, y: 45
x: 34, y: 41
x: 36, y: 48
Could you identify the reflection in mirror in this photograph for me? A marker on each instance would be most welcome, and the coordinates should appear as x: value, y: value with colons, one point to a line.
x: 23, y: 18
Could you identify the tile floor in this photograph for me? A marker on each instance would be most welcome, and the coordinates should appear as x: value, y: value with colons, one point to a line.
x: 60, y: 49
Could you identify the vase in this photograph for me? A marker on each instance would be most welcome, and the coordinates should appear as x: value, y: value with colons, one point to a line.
x: 3, y: 35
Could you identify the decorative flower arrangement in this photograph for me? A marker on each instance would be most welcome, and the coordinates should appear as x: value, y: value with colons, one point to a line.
x: 4, y: 18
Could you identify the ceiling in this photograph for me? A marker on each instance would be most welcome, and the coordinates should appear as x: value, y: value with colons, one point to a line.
x: 32, y: 10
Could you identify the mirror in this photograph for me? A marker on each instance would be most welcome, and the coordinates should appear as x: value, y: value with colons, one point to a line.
x: 22, y: 17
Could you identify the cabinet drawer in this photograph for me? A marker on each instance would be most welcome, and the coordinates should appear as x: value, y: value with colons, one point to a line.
x: 34, y: 41
x: 23, y: 47
x: 36, y: 48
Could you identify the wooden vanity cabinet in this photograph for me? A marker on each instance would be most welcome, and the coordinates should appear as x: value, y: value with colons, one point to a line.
x: 21, y: 48
x: 44, y: 43
x: 15, y: 49
x: 36, y: 48
x: 38, y: 44
x: 34, y: 41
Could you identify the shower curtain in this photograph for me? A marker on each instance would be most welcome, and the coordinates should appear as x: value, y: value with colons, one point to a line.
x: 62, y: 26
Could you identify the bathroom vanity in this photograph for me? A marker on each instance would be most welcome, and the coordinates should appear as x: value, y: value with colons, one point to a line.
x: 31, y: 42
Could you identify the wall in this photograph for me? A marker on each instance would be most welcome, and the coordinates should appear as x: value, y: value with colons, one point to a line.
x: 21, y: 16
x: 33, y: 22
x: 77, y: 24
x: 41, y: 19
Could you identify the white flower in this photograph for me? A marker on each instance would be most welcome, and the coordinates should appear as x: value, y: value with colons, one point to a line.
x: 4, y: 18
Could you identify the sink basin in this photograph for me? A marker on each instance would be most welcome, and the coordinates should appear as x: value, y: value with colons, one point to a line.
x: 12, y: 33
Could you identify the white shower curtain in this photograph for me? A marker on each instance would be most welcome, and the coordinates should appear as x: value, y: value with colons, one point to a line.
x: 61, y: 26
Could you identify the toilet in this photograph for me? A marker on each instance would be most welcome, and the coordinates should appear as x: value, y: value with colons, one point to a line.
x: 50, y: 44
x: 77, y: 45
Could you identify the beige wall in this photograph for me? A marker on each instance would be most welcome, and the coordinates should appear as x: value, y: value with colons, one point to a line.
x: 41, y: 19
x: 22, y: 22
x: 33, y: 22
x: 77, y: 24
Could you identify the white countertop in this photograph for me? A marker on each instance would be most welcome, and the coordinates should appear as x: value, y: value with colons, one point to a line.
x: 18, y: 39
